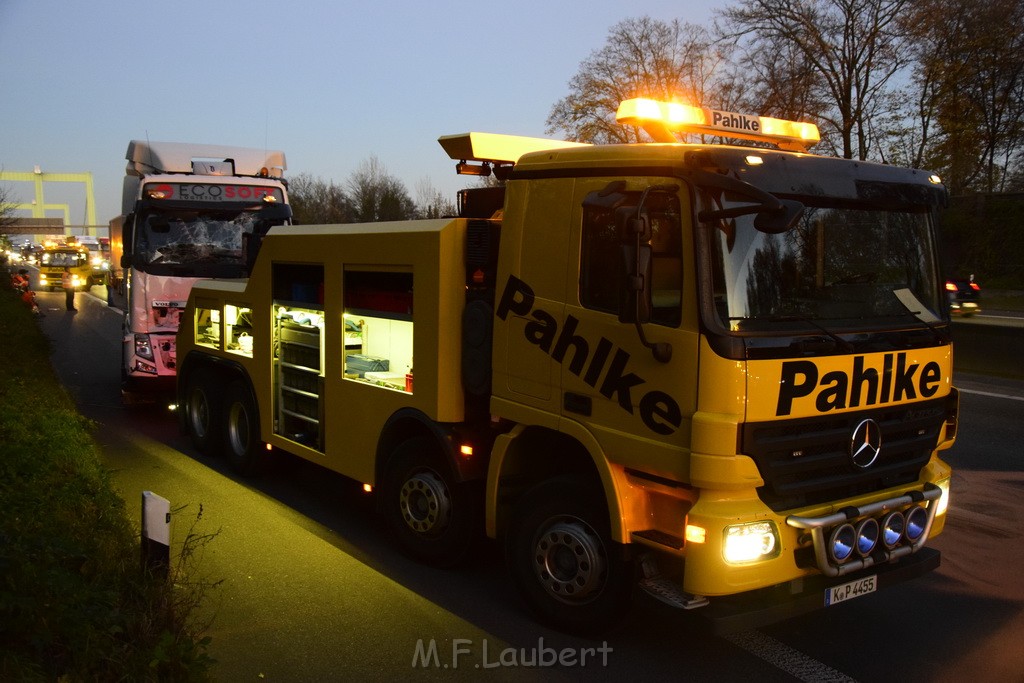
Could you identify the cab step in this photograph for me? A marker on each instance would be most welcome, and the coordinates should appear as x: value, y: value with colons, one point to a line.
x: 666, y: 590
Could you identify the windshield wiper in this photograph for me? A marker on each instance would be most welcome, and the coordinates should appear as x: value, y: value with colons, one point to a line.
x: 909, y: 302
x: 846, y: 346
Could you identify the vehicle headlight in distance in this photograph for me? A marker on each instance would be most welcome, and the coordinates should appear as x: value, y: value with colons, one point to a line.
x: 750, y: 542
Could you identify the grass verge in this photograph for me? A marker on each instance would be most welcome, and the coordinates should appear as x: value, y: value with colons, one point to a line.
x: 75, y: 601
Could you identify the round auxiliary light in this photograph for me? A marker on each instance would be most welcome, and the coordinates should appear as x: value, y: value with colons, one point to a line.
x: 892, y: 529
x: 841, y: 543
x: 867, y: 536
x: 917, y: 522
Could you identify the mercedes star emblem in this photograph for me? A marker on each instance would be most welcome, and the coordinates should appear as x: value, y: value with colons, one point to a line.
x: 866, y: 443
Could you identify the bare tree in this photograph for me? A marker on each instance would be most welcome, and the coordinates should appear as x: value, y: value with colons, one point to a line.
x: 6, y: 219
x: 316, y: 201
x: 641, y: 58
x: 431, y: 203
x: 970, y: 75
x: 773, y: 77
x: 852, y: 49
x: 6, y: 208
x: 377, y: 195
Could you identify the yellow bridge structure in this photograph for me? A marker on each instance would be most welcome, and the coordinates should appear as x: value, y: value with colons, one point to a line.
x: 39, y: 207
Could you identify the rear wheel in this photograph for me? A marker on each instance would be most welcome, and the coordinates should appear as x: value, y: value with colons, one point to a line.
x: 203, y: 412
x: 563, y: 561
x: 242, y: 444
x: 434, y: 517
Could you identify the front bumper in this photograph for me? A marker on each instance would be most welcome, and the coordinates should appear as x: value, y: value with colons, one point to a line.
x: 730, y: 614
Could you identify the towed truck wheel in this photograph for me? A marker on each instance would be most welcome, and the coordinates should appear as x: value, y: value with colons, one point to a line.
x: 434, y: 517
x: 203, y: 411
x: 243, y: 447
x: 563, y: 561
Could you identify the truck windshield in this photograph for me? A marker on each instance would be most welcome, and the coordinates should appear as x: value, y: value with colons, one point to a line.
x: 62, y: 258
x: 839, y: 268
x: 208, y: 242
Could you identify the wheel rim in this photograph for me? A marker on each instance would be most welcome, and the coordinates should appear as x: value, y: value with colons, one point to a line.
x: 425, y: 503
x: 569, y: 560
x: 238, y: 429
x: 199, y: 413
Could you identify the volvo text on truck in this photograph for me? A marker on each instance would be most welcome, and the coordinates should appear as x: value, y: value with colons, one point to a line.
x: 721, y: 371
x: 188, y: 212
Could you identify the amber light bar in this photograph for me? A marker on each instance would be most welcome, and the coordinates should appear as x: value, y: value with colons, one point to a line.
x: 663, y: 119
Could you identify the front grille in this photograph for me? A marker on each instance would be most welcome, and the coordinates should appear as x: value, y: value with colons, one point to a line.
x: 807, y: 461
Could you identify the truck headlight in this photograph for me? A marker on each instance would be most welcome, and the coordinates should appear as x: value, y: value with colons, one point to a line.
x: 944, y: 498
x: 750, y: 542
x: 143, y: 349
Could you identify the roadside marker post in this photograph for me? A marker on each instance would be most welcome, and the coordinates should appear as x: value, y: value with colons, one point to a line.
x: 156, y: 533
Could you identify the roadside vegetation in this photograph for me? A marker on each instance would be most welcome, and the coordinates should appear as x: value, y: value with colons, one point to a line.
x: 75, y: 601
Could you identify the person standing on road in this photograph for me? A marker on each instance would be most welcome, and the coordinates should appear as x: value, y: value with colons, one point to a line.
x: 67, y: 281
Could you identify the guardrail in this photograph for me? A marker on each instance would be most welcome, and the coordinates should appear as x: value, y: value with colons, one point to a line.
x: 988, y: 349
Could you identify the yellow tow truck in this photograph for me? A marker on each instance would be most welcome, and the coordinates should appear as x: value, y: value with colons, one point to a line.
x: 722, y: 372
x: 57, y: 256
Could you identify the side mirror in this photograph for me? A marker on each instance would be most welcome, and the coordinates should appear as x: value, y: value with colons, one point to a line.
x: 780, y: 220
x: 250, y: 249
x: 127, y: 232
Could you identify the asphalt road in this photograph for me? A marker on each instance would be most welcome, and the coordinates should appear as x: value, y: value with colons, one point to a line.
x: 312, y: 588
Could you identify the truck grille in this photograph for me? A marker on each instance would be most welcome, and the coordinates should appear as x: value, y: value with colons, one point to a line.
x: 807, y: 461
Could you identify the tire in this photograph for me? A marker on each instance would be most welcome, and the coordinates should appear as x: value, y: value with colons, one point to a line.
x: 204, y: 412
x: 434, y: 519
x: 242, y: 445
x: 563, y: 561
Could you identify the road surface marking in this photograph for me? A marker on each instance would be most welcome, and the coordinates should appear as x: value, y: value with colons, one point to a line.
x: 782, y: 656
x: 991, y: 394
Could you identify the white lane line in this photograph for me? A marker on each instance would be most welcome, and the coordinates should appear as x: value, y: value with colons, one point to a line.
x: 990, y: 394
x: 784, y: 657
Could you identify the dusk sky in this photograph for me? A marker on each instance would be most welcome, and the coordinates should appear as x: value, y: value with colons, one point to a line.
x: 331, y: 83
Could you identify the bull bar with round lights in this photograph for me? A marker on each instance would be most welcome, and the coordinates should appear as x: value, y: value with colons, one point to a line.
x: 858, y: 537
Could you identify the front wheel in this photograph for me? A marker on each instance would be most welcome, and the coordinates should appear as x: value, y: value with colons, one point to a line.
x: 203, y: 413
x: 563, y: 561
x: 242, y: 444
x: 434, y: 517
